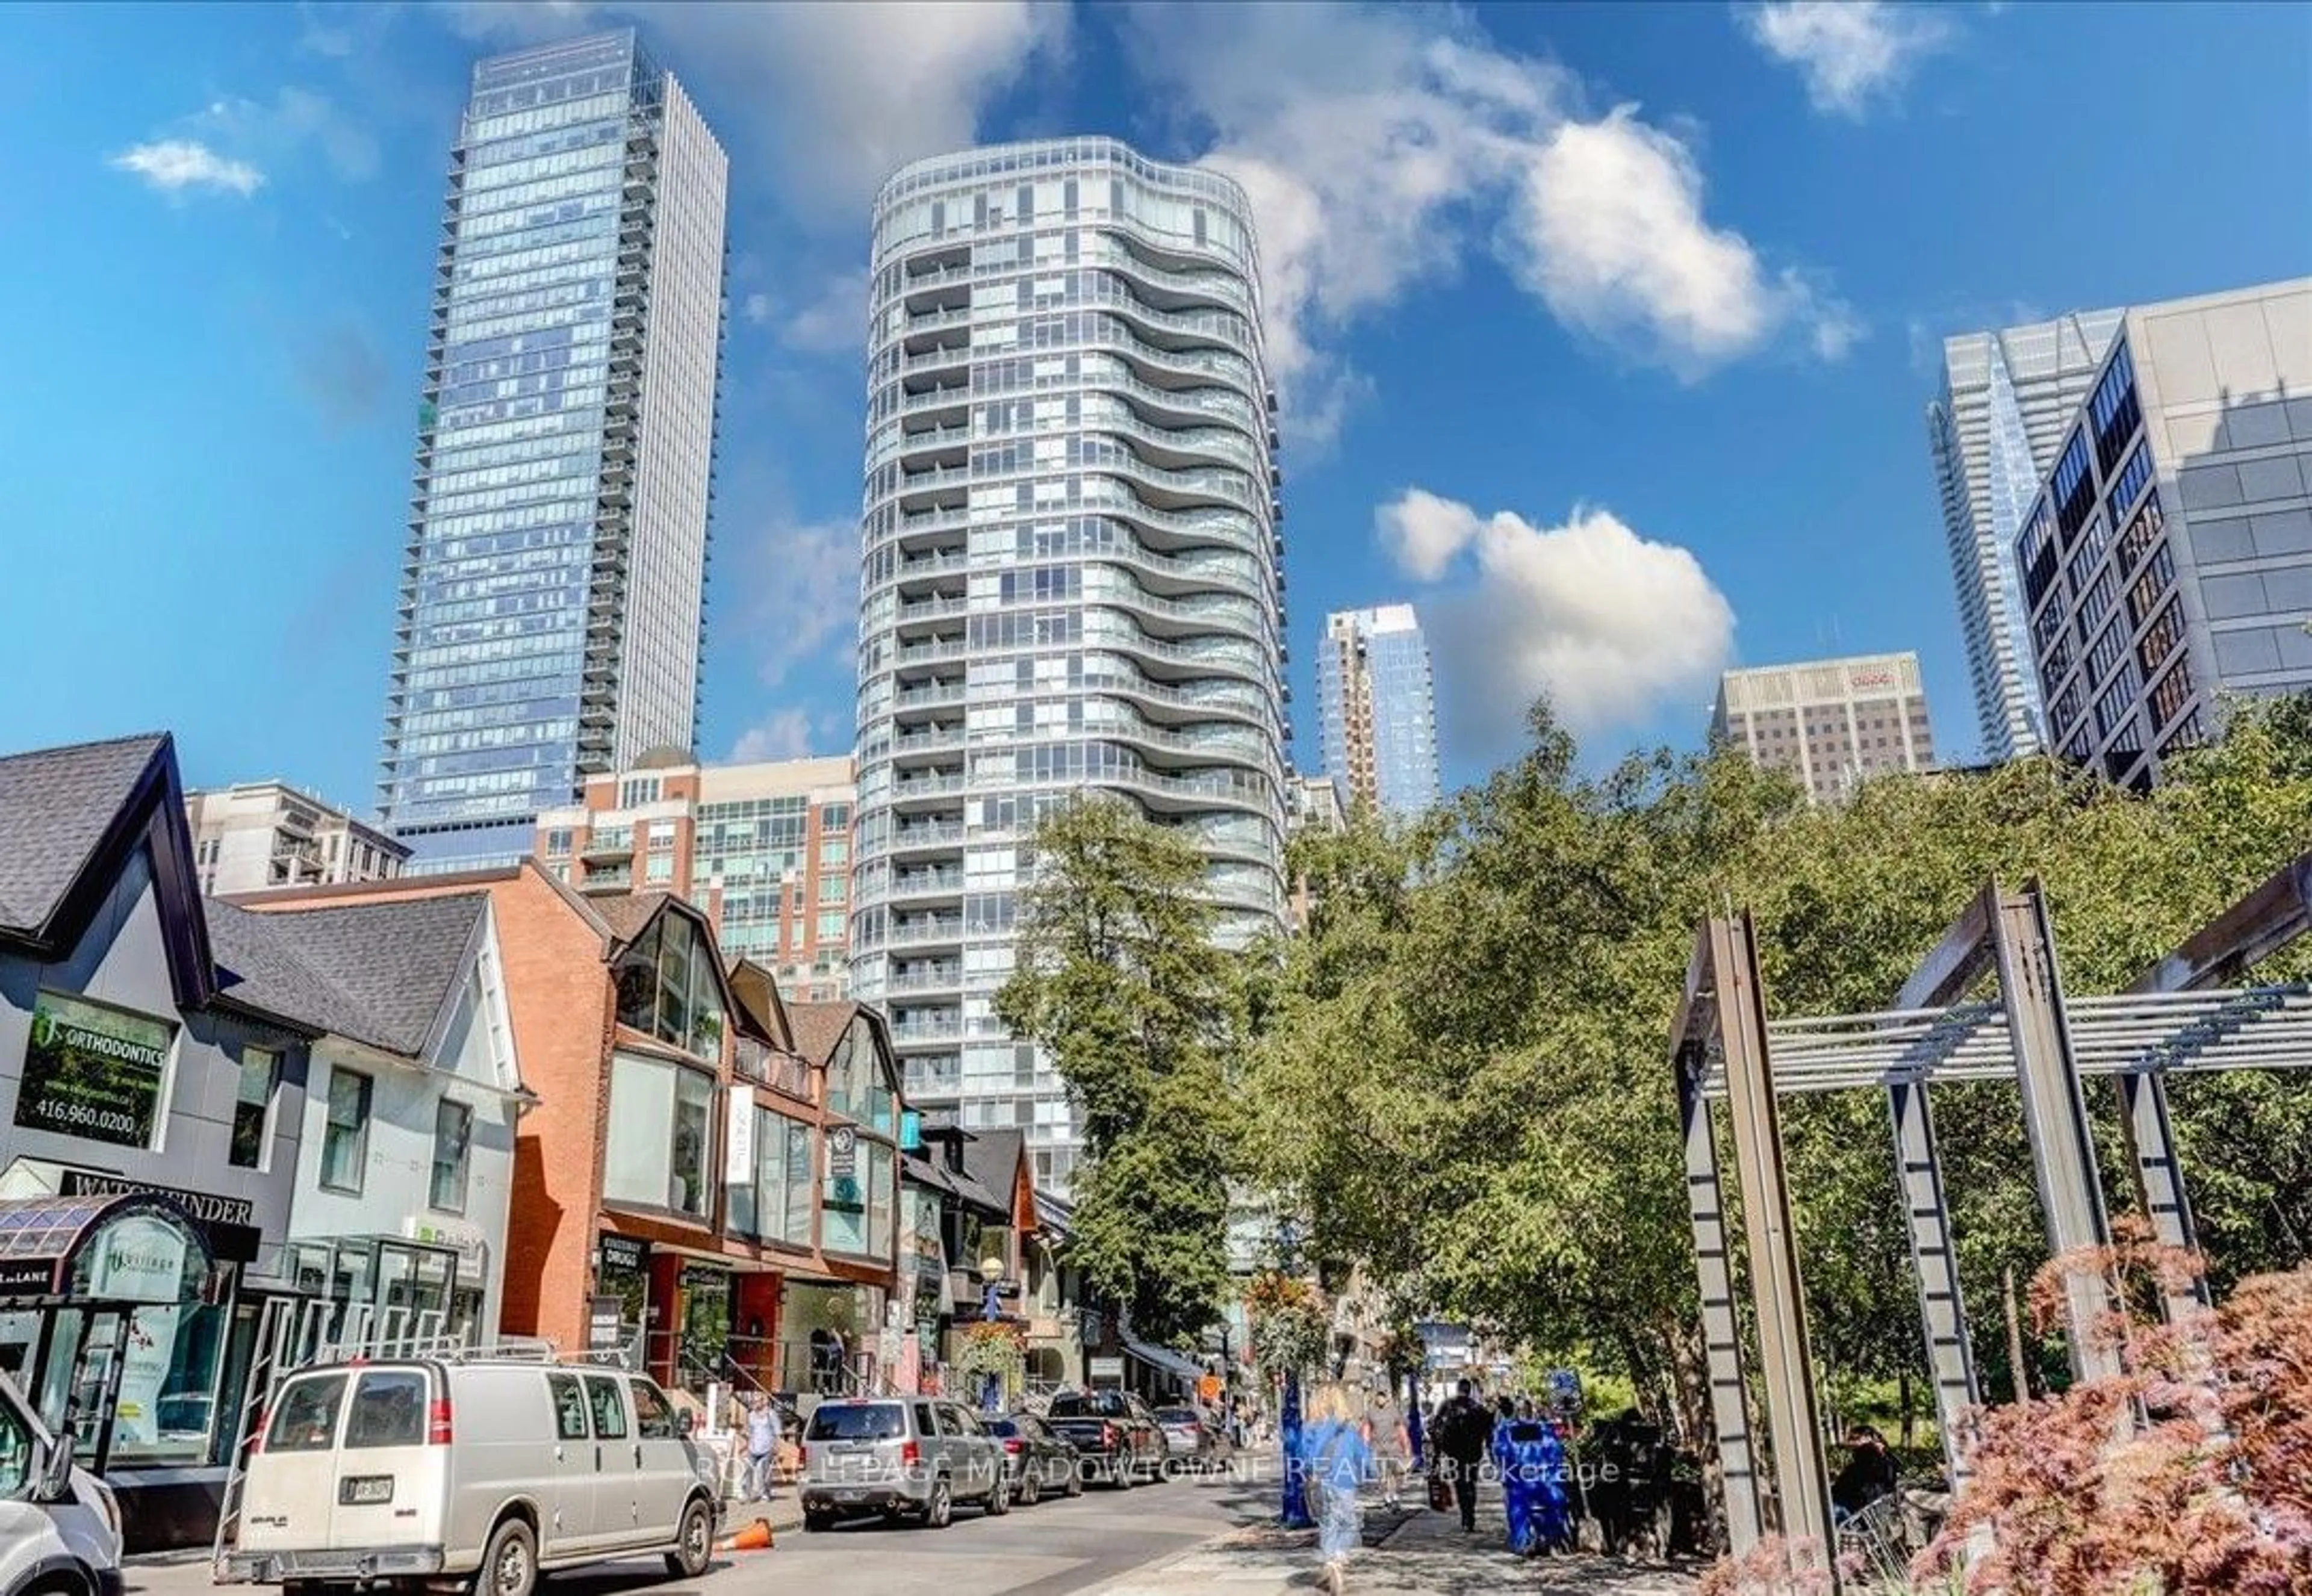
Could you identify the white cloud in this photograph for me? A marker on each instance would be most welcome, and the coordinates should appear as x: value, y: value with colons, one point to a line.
x: 758, y: 309
x: 174, y: 165
x: 833, y: 322
x: 834, y: 96
x: 1609, y: 624
x: 1378, y: 146
x: 1851, y: 53
x: 783, y: 734
x: 1607, y: 228
x: 803, y: 583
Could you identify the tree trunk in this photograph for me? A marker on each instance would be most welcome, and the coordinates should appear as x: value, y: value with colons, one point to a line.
x: 1903, y: 1396
x: 2018, y: 1372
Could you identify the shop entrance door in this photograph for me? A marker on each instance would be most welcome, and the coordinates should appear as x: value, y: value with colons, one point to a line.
x: 84, y: 1377
x: 704, y: 1298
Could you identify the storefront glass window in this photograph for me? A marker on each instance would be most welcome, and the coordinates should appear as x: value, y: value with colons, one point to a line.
x: 453, y: 1127
x: 694, y: 1097
x: 15, y: 1454
x: 660, y: 1144
x: 252, y: 1108
x: 800, y: 1175
x: 344, y: 1139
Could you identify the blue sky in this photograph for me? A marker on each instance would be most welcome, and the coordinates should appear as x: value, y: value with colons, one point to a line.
x: 1605, y: 331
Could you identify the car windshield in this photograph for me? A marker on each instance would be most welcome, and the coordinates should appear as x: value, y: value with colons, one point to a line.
x: 1096, y: 1405
x: 856, y: 1421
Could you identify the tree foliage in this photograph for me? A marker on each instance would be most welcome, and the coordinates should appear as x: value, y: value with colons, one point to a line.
x: 1117, y: 979
x: 1462, y: 1073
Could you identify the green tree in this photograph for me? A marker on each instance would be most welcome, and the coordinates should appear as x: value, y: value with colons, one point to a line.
x: 1118, y: 979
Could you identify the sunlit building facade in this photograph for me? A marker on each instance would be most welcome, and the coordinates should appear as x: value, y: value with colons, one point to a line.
x: 1070, y: 577
x: 552, y: 593
x: 1377, y: 710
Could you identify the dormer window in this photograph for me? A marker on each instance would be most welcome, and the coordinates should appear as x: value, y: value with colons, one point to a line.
x: 667, y: 989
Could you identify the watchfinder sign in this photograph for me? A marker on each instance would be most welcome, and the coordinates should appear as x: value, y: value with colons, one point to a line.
x: 93, y: 1073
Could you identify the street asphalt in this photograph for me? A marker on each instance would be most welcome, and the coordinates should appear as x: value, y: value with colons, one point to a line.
x: 1050, y: 1549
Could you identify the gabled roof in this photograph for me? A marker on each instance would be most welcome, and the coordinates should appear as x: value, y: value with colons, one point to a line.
x: 819, y: 1027
x: 55, y: 805
x: 992, y: 1159
x: 628, y: 914
x: 376, y: 973
x: 70, y: 820
x: 756, y: 991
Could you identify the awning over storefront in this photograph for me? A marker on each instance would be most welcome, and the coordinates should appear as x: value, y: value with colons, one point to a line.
x: 108, y: 1249
x: 1164, y: 1361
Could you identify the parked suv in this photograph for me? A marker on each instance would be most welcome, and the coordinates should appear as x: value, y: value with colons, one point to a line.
x: 912, y: 1457
x: 60, y: 1526
x: 433, y: 1470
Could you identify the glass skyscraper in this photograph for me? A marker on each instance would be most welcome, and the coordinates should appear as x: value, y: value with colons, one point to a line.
x: 2007, y: 397
x: 1070, y: 575
x: 1376, y: 709
x: 551, y: 597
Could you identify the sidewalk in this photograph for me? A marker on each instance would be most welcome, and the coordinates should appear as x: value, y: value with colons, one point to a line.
x: 1415, y: 1553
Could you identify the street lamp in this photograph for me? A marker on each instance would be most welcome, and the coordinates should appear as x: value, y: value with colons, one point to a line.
x: 1288, y: 1422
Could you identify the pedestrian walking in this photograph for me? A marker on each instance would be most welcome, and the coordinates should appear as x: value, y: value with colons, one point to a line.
x: 1334, y: 1463
x: 1392, y: 1448
x: 762, y: 1447
x: 1462, y: 1433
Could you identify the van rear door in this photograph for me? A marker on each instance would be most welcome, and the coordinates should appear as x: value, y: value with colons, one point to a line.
x: 390, y: 1487
x: 291, y: 1491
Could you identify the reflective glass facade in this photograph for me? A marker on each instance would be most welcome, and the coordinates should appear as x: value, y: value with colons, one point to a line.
x: 551, y: 597
x: 1376, y: 716
x: 1994, y: 432
x: 1070, y: 575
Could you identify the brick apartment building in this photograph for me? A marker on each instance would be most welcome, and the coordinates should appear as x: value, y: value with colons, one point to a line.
x: 766, y: 849
x: 687, y: 1174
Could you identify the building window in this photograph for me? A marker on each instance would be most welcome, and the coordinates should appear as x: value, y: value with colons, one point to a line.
x: 662, y: 836
x: 637, y: 790
x: 833, y: 889
x: 557, y: 841
x: 837, y: 852
x: 658, y: 1135
x: 453, y: 1140
x: 658, y: 869
x: 345, y: 1134
x: 830, y: 927
x: 252, y: 1107
x: 834, y: 816
x: 668, y: 988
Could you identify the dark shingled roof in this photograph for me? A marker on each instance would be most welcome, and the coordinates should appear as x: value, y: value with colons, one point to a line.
x: 626, y: 913
x: 991, y: 1159
x: 377, y: 973
x: 819, y: 1026
x: 55, y: 806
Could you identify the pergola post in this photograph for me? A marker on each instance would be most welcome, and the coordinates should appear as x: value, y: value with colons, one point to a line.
x: 1942, y: 1314
x: 1793, y: 1419
x: 2159, y: 1180
x: 2054, y: 1117
x: 1721, y: 1330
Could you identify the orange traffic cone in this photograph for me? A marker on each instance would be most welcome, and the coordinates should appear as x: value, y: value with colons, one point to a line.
x: 755, y: 1538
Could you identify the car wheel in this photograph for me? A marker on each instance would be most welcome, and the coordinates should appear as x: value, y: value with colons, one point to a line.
x: 694, y: 1543
x: 817, y: 1523
x: 1031, y: 1487
x: 999, y: 1500
x: 508, y: 1562
x: 1074, y: 1486
x: 939, y: 1507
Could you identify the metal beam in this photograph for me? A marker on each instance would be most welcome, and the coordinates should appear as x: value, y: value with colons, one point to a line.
x: 1943, y: 976
x: 2159, y: 1180
x: 2257, y: 926
x: 2054, y: 1117
x: 1722, y: 1328
x: 1942, y: 1315
x: 1793, y: 1421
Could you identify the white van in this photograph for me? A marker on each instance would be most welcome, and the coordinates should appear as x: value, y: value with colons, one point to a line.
x: 490, y: 1471
x: 60, y: 1525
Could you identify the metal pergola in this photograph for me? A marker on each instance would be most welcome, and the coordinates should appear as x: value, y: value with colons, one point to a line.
x: 2184, y: 1014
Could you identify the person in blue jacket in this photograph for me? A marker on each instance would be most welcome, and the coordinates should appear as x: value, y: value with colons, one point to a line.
x: 1533, y: 1484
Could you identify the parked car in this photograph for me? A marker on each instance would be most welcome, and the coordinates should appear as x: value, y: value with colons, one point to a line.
x: 1189, y: 1438
x: 1115, y: 1432
x: 60, y: 1525
x: 1042, y: 1462
x: 493, y: 1469
x: 904, y: 1458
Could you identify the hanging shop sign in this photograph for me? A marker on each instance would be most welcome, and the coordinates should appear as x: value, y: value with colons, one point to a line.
x: 843, y: 1153
x: 739, y: 1139
x: 92, y: 1072
x: 605, y: 1324
x: 624, y: 1254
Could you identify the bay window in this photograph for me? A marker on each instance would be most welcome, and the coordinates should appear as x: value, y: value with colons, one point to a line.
x: 660, y: 1152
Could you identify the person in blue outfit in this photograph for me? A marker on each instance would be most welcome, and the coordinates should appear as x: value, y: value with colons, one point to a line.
x: 1533, y: 1485
x: 1336, y: 1460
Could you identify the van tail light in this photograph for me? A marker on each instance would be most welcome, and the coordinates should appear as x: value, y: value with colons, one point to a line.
x: 910, y: 1454
x: 257, y: 1435
x: 1108, y: 1436
x: 437, y: 1422
x: 1012, y: 1444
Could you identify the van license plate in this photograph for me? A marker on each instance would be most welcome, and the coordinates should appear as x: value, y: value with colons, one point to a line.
x: 366, y: 1490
